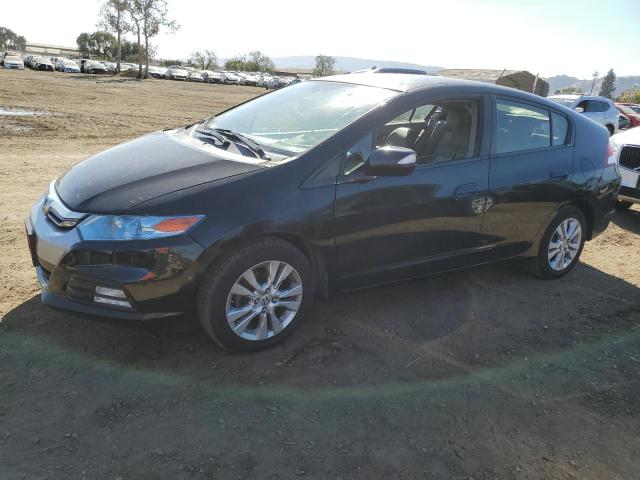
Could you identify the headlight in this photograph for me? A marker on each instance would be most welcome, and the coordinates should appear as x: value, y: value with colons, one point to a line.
x: 128, y: 227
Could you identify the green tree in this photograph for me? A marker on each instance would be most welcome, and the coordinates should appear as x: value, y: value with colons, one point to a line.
x: 113, y: 19
x: 258, y: 62
x: 96, y: 44
x: 206, y: 59
x: 630, y: 96
x: 9, y: 40
x: 254, y: 61
x: 129, y: 50
x: 608, y: 84
x: 236, y: 63
x: 325, y: 65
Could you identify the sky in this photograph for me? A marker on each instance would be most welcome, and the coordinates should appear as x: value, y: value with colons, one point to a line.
x: 547, y: 37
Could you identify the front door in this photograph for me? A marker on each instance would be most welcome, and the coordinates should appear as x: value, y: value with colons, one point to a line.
x: 393, y: 227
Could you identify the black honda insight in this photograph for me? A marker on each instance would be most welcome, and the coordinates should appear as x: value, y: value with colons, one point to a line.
x: 329, y: 184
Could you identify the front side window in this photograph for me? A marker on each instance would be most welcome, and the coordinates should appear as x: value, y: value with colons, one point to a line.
x: 299, y: 117
x: 521, y: 127
x: 440, y: 132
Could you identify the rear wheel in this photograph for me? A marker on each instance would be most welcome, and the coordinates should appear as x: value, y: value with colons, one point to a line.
x: 611, y: 130
x: 561, y: 244
x: 256, y: 296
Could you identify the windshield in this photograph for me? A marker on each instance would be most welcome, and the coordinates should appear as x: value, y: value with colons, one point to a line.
x: 567, y: 102
x: 301, y: 116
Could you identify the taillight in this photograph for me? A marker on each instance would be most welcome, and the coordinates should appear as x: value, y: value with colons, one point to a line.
x: 610, y: 158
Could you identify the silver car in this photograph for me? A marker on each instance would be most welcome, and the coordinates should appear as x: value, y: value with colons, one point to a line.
x: 599, y: 109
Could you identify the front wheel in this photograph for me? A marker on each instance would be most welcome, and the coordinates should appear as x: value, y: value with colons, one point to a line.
x: 256, y: 296
x: 561, y: 244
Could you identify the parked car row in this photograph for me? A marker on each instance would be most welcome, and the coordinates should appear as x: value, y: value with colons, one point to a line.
x: 174, y: 72
x: 190, y: 74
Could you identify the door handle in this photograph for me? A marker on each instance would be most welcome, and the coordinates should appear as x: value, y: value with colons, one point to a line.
x: 558, y: 175
x: 465, y: 191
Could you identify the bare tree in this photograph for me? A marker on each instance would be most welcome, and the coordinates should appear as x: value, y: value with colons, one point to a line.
x: 113, y: 19
x: 149, y: 17
x: 325, y: 65
x: 206, y: 59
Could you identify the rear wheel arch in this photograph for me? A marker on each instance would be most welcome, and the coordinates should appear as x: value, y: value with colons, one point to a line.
x: 589, y: 214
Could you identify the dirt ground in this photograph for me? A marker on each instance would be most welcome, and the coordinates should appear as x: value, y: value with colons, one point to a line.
x: 480, y: 374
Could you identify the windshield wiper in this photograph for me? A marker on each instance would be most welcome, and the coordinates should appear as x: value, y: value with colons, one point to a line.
x: 243, y: 139
x: 218, y: 139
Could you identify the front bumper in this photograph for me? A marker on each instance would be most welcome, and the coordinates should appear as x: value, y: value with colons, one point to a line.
x: 158, y: 277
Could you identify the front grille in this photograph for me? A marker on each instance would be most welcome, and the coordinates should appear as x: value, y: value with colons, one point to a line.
x: 630, y: 158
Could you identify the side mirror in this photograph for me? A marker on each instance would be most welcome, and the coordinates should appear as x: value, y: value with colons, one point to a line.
x: 391, y: 161
x: 579, y: 109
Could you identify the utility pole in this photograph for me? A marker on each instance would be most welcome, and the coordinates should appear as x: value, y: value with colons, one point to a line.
x: 595, y: 75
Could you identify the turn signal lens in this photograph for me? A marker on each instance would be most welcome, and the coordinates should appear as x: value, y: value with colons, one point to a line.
x: 610, y: 158
x: 177, y: 224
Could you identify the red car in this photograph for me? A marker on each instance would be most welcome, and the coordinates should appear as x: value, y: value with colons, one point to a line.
x: 631, y: 114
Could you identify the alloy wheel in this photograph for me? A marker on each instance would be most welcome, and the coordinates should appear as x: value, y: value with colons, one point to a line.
x: 564, y: 244
x: 264, y: 300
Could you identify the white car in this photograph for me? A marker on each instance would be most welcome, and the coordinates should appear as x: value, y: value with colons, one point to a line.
x: 211, y: 77
x: 626, y: 149
x: 13, y: 62
x: 230, y: 78
x: 599, y: 109
x: 177, y: 74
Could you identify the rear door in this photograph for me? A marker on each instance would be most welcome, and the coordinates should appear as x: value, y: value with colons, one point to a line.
x: 531, y: 164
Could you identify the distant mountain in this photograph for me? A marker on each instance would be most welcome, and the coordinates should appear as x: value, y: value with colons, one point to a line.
x: 346, y: 64
x: 560, y: 82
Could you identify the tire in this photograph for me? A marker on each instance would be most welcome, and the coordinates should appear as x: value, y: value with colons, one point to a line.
x: 622, y: 205
x: 543, y: 265
x: 611, y: 130
x: 215, y: 300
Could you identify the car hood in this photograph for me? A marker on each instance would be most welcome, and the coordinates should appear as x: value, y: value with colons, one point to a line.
x: 628, y: 137
x: 140, y: 170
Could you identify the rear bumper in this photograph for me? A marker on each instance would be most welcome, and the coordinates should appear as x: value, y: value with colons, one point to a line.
x: 158, y: 278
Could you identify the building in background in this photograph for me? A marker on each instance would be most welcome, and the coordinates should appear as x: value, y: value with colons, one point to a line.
x: 51, y: 50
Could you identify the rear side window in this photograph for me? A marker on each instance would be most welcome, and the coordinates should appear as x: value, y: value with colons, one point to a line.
x: 521, y: 127
x: 559, y: 127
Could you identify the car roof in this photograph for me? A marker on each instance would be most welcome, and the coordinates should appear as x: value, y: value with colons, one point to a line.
x: 400, y: 82
x: 403, y: 83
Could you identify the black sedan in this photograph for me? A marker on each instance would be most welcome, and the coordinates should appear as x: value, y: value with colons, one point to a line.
x: 330, y: 184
